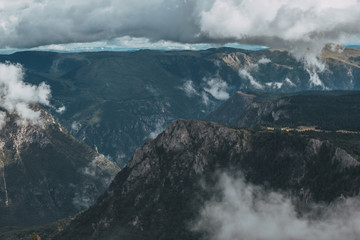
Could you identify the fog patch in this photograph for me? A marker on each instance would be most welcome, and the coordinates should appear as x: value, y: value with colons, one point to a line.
x: 274, y: 85
x: 314, y: 79
x: 217, y: 88
x: 264, y: 60
x: 189, y: 88
x: 98, y: 175
x: 336, y: 48
x: 61, y: 109
x: 246, y: 211
x: 289, y: 82
x: 245, y: 73
x: 152, y: 90
x: 81, y: 201
x: 205, y: 99
x: 159, y: 128
x: 75, y: 126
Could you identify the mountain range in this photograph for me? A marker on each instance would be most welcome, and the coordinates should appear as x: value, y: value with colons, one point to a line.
x: 271, y: 129
x: 162, y: 191
x: 124, y: 98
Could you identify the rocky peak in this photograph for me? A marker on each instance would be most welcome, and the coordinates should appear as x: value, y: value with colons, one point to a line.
x: 45, y: 173
x: 236, y: 60
x: 162, y: 188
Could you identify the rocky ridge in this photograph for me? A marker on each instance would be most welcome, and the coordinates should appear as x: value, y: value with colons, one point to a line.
x: 45, y: 173
x: 161, y: 191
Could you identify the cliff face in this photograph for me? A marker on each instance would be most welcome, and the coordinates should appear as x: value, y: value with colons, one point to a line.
x: 46, y: 174
x: 161, y: 191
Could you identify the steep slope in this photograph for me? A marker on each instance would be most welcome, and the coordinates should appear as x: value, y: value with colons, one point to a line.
x: 338, y: 110
x: 161, y: 191
x: 46, y: 174
x: 117, y: 101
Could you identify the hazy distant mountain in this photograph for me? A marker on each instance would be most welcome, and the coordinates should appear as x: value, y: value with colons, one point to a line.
x: 163, y: 190
x: 339, y: 110
x: 46, y: 174
x: 118, y: 100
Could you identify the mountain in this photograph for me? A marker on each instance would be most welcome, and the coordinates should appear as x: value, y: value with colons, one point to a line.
x: 336, y: 110
x: 45, y: 173
x: 117, y: 100
x: 163, y: 189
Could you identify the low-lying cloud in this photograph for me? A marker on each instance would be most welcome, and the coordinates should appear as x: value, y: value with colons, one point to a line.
x: 264, y: 60
x: 249, y: 212
x: 16, y: 96
x: 160, y: 126
x: 217, y: 88
x: 245, y: 73
x: 214, y: 87
x: 189, y: 88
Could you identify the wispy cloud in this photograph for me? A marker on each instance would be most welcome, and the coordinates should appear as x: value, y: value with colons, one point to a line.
x: 189, y: 88
x: 159, y: 127
x: 245, y: 73
x: 246, y: 211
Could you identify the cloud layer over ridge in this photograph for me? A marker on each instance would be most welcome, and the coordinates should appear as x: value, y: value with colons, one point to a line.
x: 294, y: 25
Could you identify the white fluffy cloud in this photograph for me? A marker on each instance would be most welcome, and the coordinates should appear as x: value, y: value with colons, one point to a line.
x: 249, y: 212
x: 299, y: 26
x: 264, y: 60
x: 217, y: 88
x: 16, y: 96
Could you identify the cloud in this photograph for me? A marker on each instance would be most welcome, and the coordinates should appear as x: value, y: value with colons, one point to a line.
x: 16, y: 96
x: 249, y: 212
x: 31, y: 23
x: 264, y: 60
x: 75, y: 126
x: 217, y: 88
x: 61, y: 109
x: 214, y: 86
x: 274, y: 85
x: 289, y: 82
x: 189, y: 88
x: 244, y: 73
x: 159, y: 127
x: 302, y: 27
x: 314, y: 80
x: 205, y: 98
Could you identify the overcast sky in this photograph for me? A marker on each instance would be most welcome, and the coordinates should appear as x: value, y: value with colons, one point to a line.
x: 294, y: 25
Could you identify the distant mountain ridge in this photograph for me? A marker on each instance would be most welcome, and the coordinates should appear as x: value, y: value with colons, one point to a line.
x: 338, y: 110
x: 118, y: 100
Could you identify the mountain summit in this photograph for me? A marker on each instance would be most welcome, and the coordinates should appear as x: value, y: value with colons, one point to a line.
x: 163, y: 189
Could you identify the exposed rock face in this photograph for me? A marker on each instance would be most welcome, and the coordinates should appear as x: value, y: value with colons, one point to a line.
x: 46, y: 174
x: 160, y: 192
